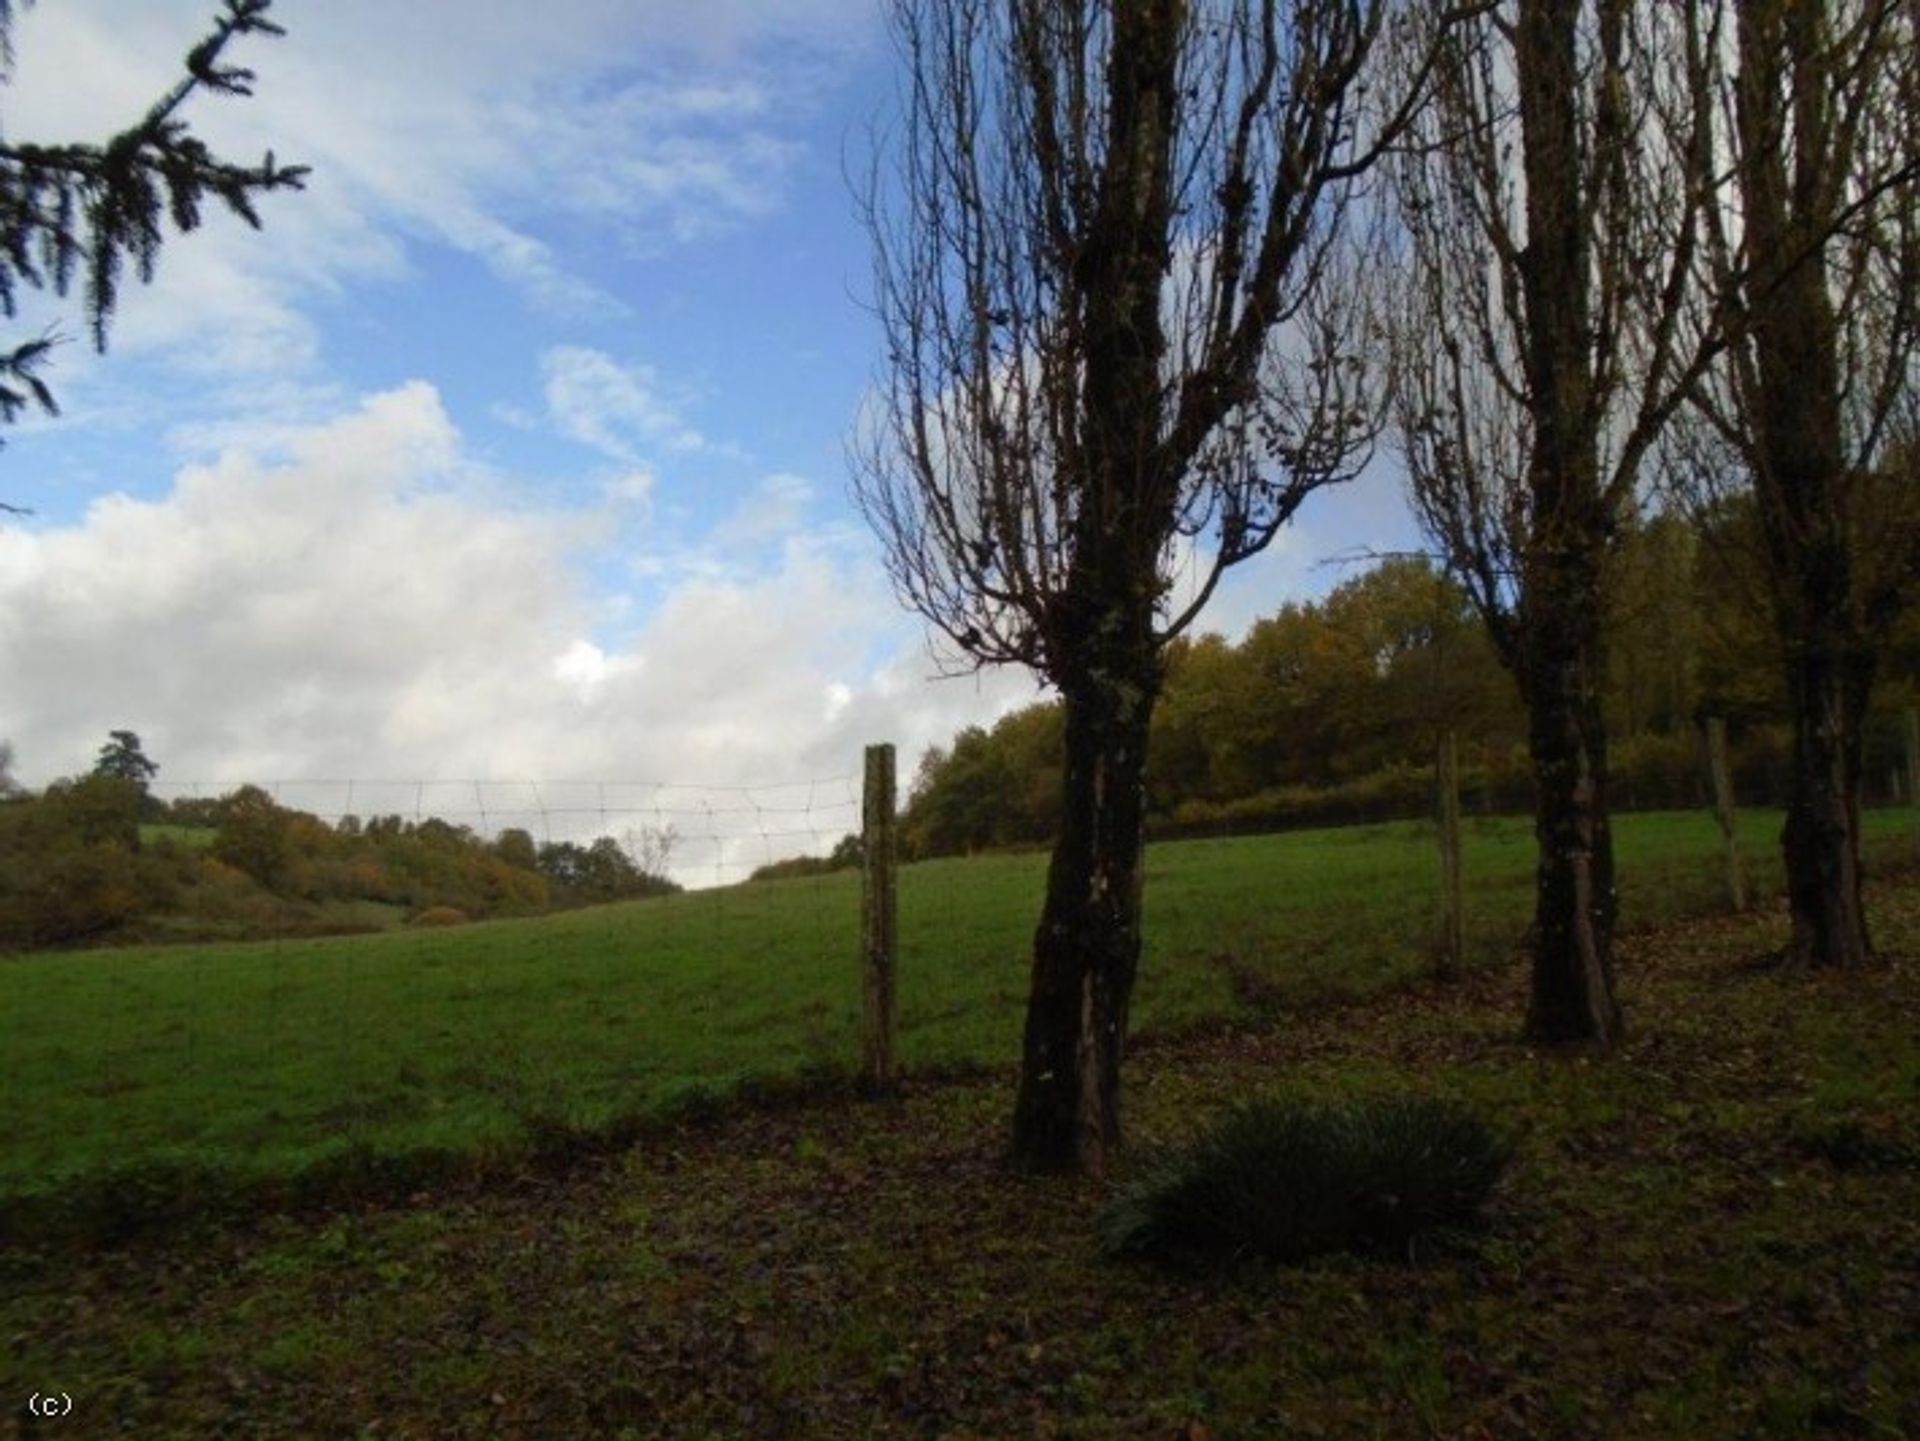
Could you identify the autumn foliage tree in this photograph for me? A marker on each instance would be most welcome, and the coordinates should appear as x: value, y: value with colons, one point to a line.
x: 1110, y: 253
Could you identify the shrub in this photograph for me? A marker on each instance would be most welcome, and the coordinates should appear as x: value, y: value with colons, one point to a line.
x: 220, y: 900
x: 1853, y: 1145
x: 440, y: 916
x: 848, y: 854
x: 1286, y: 1181
x: 1657, y: 771
x: 255, y: 836
x: 68, y: 897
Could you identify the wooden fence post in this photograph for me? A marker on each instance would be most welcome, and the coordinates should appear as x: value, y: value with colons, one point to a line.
x: 879, y: 922
x: 1453, y: 910
x: 1913, y: 774
x: 1722, y: 773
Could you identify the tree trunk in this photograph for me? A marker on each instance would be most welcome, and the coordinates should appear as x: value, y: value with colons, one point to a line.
x: 1804, y: 505
x: 1821, y: 838
x: 1102, y: 651
x: 1559, y: 655
x: 1086, y: 950
x: 1800, y: 472
x: 1725, y: 813
x: 1913, y: 776
x: 1571, y: 1000
x: 1453, y: 911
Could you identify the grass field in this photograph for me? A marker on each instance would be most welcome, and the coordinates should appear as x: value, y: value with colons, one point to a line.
x: 144, y: 1080
x: 194, y: 838
x: 1712, y: 1236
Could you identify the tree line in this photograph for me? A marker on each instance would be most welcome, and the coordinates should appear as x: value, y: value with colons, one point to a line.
x: 1151, y: 275
x: 1329, y: 712
x: 98, y: 858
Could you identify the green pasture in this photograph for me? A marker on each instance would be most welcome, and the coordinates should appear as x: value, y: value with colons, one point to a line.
x: 254, y: 1065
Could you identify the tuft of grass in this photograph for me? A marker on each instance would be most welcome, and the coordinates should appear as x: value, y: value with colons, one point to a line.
x: 1287, y: 1180
x: 1853, y: 1145
x: 441, y: 916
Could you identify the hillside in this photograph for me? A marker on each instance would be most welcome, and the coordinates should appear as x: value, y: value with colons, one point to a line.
x: 145, y: 1082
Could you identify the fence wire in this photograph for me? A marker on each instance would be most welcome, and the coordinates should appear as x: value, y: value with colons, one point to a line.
x: 709, y: 835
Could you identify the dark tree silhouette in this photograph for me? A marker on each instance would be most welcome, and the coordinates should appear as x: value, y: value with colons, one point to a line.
x: 1112, y: 271
x: 122, y: 757
x: 1542, y: 345
x: 1811, y: 249
x: 87, y: 211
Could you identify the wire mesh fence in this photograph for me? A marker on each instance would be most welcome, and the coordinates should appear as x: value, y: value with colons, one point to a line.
x: 171, y: 1075
x: 196, y: 1070
x: 700, y: 835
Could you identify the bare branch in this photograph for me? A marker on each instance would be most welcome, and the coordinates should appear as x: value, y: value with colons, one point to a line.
x: 1111, y: 264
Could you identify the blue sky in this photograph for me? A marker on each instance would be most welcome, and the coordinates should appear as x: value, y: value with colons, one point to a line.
x: 513, y: 447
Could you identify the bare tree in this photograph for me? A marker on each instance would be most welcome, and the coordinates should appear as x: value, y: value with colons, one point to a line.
x: 651, y: 849
x: 1810, y: 251
x: 1111, y: 270
x: 1545, y: 247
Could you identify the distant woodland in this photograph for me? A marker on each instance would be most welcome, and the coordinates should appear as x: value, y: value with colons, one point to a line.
x: 98, y: 859
x: 1329, y: 712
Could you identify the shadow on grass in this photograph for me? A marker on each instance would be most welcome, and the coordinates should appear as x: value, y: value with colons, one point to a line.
x: 117, y: 1204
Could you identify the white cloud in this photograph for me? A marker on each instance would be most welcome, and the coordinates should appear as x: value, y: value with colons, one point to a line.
x: 347, y: 604
x: 586, y: 668
x: 474, y: 127
x: 632, y: 489
x: 594, y: 399
x: 678, y: 158
x: 519, y: 259
x: 776, y: 507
